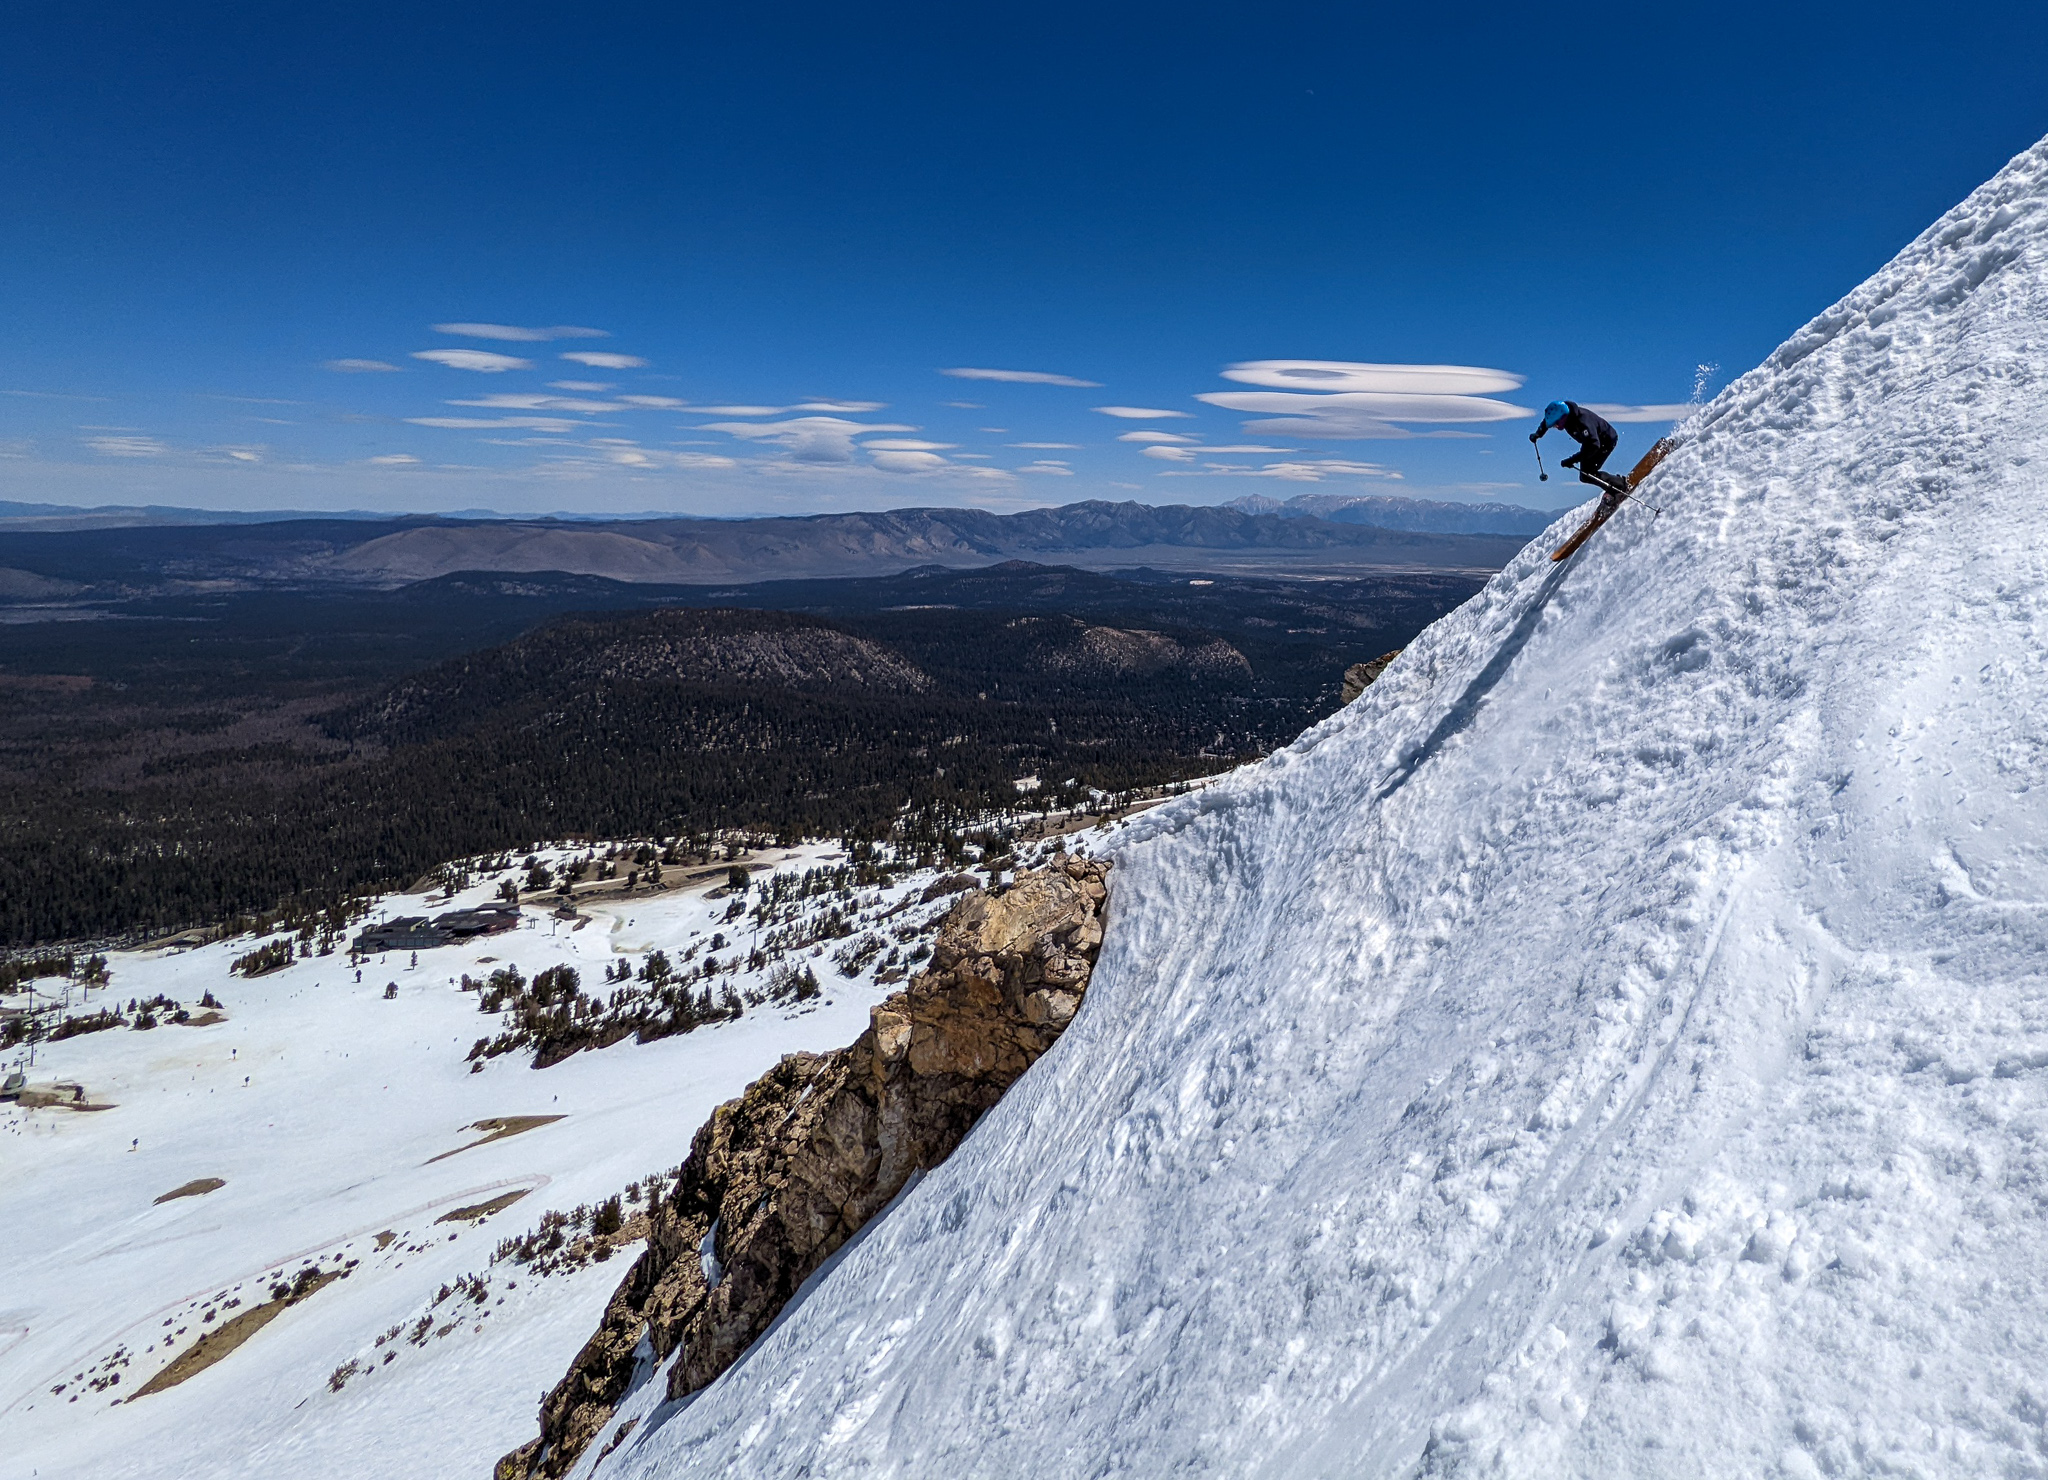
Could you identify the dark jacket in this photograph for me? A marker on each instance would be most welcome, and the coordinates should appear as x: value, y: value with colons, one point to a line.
x: 1587, y: 428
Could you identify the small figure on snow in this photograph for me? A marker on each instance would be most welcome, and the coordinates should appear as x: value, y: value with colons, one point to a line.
x: 1596, y: 441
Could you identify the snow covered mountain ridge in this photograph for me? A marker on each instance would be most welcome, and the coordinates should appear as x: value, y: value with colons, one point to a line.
x: 1615, y: 1044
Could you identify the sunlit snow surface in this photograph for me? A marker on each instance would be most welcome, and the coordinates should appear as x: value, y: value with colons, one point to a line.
x: 324, y: 1106
x: 1617, y: 1044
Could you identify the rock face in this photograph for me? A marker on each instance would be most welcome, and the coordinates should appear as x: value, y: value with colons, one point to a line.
x: 1359, y: 676
x: 780, y: 1178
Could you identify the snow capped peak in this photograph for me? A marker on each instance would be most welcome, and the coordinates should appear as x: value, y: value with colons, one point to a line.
x: 1616, y: 1043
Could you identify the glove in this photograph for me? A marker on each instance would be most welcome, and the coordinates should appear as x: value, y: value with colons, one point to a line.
x: 1534, y: 436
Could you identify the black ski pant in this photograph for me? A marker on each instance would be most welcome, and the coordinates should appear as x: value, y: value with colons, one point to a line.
x: 1589, y: 457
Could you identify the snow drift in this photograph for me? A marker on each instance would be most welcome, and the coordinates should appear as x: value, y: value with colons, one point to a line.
x: 1618, y: 1043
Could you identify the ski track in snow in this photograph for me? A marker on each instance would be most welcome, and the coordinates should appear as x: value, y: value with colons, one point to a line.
x: 1616, y: 1044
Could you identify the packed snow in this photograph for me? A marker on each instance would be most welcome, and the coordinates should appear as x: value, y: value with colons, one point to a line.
x: 337, y: 1109
x: 1616, y: 1044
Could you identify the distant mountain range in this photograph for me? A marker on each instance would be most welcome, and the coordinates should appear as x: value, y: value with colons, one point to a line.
x: 1095, y: 534
x: 16, y: 516
x: 1385, y: 512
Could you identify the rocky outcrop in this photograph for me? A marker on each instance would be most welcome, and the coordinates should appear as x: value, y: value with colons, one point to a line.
x: 1359, y: 676
x: 780, y: 1178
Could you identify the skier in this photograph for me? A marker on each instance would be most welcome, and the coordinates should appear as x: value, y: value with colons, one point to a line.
x: 1596, y: 441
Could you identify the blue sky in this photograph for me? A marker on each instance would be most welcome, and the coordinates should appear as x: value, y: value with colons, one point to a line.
x: 726, y: 259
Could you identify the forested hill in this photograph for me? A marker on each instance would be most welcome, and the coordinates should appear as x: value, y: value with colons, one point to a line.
x: 208, y: 755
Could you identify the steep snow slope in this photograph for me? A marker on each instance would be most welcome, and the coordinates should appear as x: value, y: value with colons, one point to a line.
x: 1617, y: 1044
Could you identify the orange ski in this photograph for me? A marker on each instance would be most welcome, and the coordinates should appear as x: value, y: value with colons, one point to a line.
x: 1612, y: 501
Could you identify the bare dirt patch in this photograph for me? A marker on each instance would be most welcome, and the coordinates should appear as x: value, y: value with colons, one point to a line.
x: 498, y: 1127
x: 231, y: 1333
x: 197, y: 1187
x: 475, y: 1211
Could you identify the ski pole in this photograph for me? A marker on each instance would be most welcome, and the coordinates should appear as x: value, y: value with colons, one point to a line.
x: 1541, y: 476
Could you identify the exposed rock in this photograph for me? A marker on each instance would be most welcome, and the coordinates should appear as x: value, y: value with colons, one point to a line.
x: 197, y: 1187
x: 780, y: 1178
x: 1359, y: 676
x: 950, y: 884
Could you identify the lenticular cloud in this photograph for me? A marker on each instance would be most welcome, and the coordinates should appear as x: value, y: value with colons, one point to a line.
x: 1351, y: 375
x: 1348, y: 399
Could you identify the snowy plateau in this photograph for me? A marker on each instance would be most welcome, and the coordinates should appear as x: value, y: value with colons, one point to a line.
x: 1616, y: 1044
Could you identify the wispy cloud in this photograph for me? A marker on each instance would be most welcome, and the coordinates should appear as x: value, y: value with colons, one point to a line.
x: 364, y: 367
x: 516, y: 401
x: 392, y: 460
x: 580, y: 385
x: 828, y: 408
x: 1154, y: 437
x: 598, y: 359
x: 1670, y: 411
x: 514, y: 333
x: 910, y: 462
x: 1314, y: 471
x: 502, y: 423
x: 1166, y: 452
x: 1021, y: 377
x: 534, y: 401
x: 807, y: 439
x: 489, y: 362
x: 811, y: 443
x: 125, y: 445
x: 1138, y: 413
x: 626, y: 453
x: 966, y: 405
x: 1354, y: 400
x: 1049, y: 466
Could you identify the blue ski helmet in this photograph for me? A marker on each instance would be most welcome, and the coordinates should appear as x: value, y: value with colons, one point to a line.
x: 1555, y: 412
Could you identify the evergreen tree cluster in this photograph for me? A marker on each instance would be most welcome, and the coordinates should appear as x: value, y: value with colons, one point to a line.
x: 212, y: 788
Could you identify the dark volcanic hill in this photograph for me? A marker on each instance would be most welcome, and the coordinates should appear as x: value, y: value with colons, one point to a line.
x: 583, y: 656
